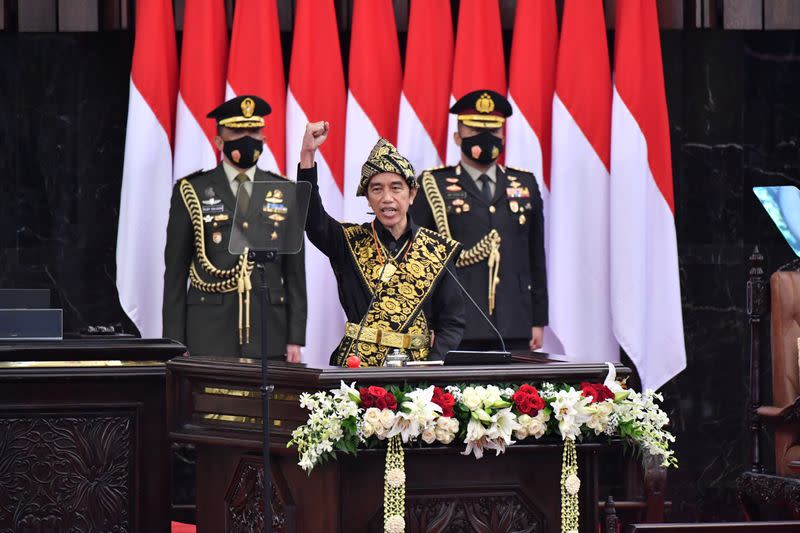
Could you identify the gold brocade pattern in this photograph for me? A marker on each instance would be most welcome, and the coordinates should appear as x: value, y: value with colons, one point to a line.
x: 398, y: 303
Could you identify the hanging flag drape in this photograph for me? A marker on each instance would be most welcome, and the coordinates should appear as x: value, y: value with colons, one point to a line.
x: 578, y: 261
x: 204, y: 56
x: 422, y: 124
x: 375, y: 78
x: 316, y: 92
x: 255, y: 66
x: 479, y: 62
x: 645, y: 286
x: 147, y: 168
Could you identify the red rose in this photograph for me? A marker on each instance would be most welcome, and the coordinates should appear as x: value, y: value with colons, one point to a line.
x: 391, y: 401
x: 380, y: 402
x: 377, y: 392
x: 445, y: 400
x: 596, y: 391
x: 366, y: 398
x: 527, y: 400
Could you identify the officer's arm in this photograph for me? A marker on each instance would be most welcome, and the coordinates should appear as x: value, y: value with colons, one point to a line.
x: 177, y: 258
x: 537, y: 260
x: 323, y: 230
x: 447, y: 320
x: 294, y: 275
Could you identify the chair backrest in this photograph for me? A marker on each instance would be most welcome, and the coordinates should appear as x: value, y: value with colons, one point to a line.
x: 718, y: 527
x: 785, y: 316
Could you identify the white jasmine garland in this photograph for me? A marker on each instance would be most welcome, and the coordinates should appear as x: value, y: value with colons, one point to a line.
x: 395, y: 524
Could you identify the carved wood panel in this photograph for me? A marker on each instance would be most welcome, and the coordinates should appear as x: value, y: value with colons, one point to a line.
x: 245, y: 502
x: 464, y: 513
x: 66, y: 473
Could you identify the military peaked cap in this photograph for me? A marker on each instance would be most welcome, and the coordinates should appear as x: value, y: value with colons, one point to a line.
x: 483, y: 108
x: 246, y: 111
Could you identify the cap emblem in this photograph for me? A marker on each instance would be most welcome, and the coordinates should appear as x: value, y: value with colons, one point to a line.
x: 248, y: 107
x: 485, y: 104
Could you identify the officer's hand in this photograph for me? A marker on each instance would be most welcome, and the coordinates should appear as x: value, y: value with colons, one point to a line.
x: 314, y: 136
x: 293, y: 354
x: 537, y: 338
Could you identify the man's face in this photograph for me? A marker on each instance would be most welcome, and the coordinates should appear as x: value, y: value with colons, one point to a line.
x: 389, y: 196
x: 465, y: 131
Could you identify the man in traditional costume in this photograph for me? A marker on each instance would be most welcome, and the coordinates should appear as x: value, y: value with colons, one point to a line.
x: 391, y: 273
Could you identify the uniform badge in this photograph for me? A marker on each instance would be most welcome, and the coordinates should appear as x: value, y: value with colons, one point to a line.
x: 465, y: 208
x: 274, y: 236
x: 216, y: 237
x: 221, y: 218
x: 451, y: 180
x: 248, y: 107
x: 453, y: 188
x: 514, y: 205
x: 484, y: 104
x: 207, y: 219
x: 211, y: 201
x: 458, y: 202
x: 458, y: 210
x: 209, y: 192
x: 521, y: 220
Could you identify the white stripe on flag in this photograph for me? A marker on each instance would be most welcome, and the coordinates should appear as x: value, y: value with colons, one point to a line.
x: 361, y: 137
x: 453, y: 150
x: 325, y: 325
x: 645, y: 286
x: 144, y: 202
x: 578, y: 266
x: 413, y: 140
x: 193, y: 150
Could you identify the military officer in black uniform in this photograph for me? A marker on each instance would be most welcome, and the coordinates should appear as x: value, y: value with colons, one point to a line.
x: 391, y: 274
x: 496, y: 213
x: 218, y: 315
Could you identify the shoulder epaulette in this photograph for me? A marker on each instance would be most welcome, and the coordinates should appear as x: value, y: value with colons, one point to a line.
x: 276, y: 175
x: 194, y: 174
x: 436, y: 169
x: 517, y: 169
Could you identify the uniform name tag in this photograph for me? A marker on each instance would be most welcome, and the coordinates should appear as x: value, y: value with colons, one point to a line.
x: 217, y: 208
x: 454, y: 195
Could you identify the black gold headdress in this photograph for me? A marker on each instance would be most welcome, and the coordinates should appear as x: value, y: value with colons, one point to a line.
x: 384, y: 157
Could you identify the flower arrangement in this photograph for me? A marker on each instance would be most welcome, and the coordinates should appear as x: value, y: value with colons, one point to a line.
x: 481, y: 417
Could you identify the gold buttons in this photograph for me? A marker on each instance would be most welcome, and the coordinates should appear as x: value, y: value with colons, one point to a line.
x: 492, y: 209
x: 245, y: 225
x: 202, y: 298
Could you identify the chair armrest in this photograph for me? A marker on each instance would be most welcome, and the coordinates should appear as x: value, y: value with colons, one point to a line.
x: 787, y: 413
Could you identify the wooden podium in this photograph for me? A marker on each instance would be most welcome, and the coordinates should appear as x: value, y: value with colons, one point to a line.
x: 83, y: 441
x: 214, y: 403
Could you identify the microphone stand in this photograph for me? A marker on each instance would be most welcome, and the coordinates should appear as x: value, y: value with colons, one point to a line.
x: 432, y: 250
x: 261, y: 258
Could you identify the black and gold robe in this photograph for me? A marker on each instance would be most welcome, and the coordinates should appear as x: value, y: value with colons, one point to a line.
x: 418, y: 298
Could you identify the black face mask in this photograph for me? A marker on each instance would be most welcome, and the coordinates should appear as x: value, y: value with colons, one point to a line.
x: 243, y: 152
x: 482, y: 148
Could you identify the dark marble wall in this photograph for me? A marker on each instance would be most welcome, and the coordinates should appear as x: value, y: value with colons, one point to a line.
x: 734, y: 102
x: 63, y: 108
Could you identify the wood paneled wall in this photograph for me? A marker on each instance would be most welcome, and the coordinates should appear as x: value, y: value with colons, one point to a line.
x: 104, y: 15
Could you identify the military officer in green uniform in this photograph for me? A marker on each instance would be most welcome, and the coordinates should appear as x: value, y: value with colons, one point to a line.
x: 496, y: 213
x: 220, y: 314
x: 391, y: 275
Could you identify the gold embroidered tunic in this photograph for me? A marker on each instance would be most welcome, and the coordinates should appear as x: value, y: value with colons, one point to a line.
x: 416, y: 297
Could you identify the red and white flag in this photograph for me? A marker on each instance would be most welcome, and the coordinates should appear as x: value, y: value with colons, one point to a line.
x: 255, y: 66
x: 645, y: 286
x: 204, y: 56
x: 147, y: 170
x: 578, y: 262
x: 316, y: 92
x: 479, y: 62
x: 531, y: 83
x: 374, y: 94
x: 422, y: 125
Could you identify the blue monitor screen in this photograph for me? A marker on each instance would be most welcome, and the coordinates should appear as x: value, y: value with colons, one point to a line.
x: 783, y: 205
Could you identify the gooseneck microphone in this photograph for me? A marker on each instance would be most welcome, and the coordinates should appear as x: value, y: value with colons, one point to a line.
x: 392, y: 250
x: 432, y: 249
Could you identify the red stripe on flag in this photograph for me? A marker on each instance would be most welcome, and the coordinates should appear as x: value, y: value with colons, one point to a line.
x: 255, y: 66
x: 204, y: 59
x: 316, y: 76
x: 479, y: 59
x: 583, y: 76
x: 532, y: 70
x: 639, y: 79
x: 429, y: 67
x: 154, y: 70
x: 375, y: 64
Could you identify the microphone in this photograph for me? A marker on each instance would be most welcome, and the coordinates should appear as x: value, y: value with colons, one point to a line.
x: 392, y: 250
x: 432, y: 249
